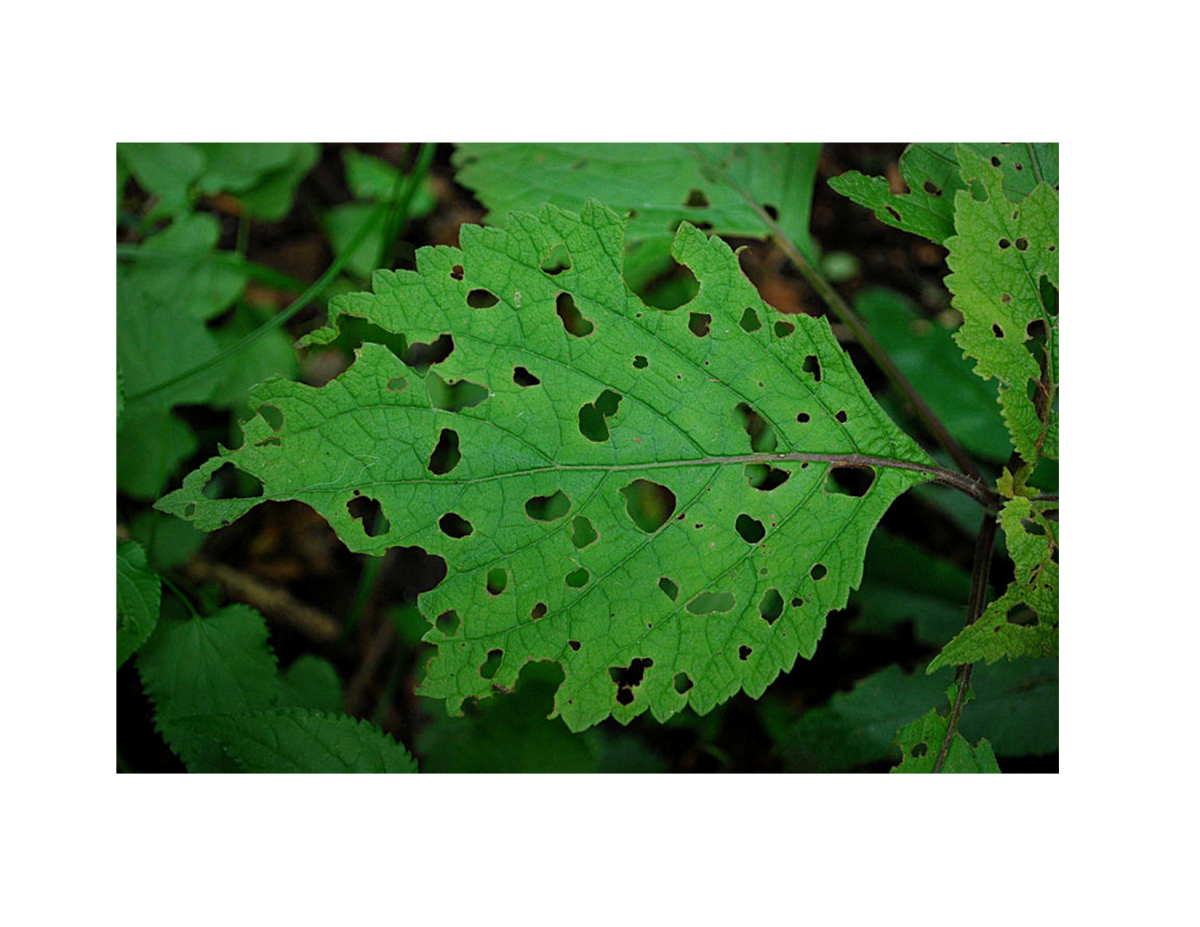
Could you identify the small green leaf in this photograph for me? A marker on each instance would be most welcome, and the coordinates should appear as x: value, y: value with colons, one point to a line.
x: 165, y: 171
x: 664, y: 483
x: 921, y: 742
x: 172, y: 272
x: 221, y: 664
x: 298, y: 740
x: 139, y: 595
x: 312, y: 682
x: 931, y: 172
x: 1024, y: 621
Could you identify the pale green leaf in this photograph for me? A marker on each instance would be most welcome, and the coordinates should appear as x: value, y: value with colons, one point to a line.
x: 999, y: 257
x: 921, y: 742
x: 1024, y: 621
x: 298, y: 740
x: 659, y: 184
x: 931, y: 172
x: 221, y: 664
x: 139, y: 595
x: 533, y: 490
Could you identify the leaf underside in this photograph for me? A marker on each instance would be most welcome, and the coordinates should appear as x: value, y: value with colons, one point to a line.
x: 614, y: 493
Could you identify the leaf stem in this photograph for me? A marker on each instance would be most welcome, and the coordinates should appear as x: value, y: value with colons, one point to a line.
x: 405, y: 190
x: 980, y: 569
x: 179, y: 594
x: 842, y: 310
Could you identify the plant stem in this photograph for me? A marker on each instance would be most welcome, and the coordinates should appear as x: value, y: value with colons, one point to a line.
x: 842, y: 310
x: 979, y: 580
x: 183, y: 598
x: 252, y: 271
x: 279, y: 320
x: 402, y: 200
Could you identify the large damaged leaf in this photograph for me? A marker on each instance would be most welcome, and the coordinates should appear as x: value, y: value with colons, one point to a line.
x: 648, y: 498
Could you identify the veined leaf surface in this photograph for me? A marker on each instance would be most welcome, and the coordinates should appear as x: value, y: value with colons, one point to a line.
x: 643, y: 496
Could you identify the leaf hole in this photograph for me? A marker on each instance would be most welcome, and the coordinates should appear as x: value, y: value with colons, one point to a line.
x: 455, y: 396
x: 744, y: 652
x: 849, y: 481
x: 812, y: 366
x: 797, y: 602
x: 1018, y: 167
x: 771, y: 211
x: 228, y: 482
x: 1021, y: 616
x: 626, y: 677
x: 803, y: 418
x: 771, y: 606
x: 762, y: 435
x: 698, y: 323
x: 574, y: 645
x: 750, y: 321
x: 783, y: 329
x: 708, y: 603
x: 893, y: 213
x: 841, y: 416
x: 577, y: 579
x: 640, y: 362
x: 764, y: 477
x: 1004, y: 243
x: 818, y: 572
x: 669, y: 588
x: 582, y: 532
x: 696, y: 199
x: 455, y: 526
x: 932, y: 189
x: 272, y: 415
x: 557, y: 261
x: 682, y: 683
x: 368, y: 511
x: 269, y: 442
x: 445, y: 456
x: 995, y: 161
x: 522, y: 377
x: 422, y: 356
x: 649, y: 504
x: 548, y: 508
x: 457, y: 272
x: 448, y: 623
x: 1022, y: 244
x: 491, y: 664
x: 482, y: 299
x: 592, y: 424
x: 750, y: 529
x: 922, y: 748
x: 997, y: 330
x: 497, y: 581
x: 624, y: 696
x: 538, y: 611
x: 572, y: 319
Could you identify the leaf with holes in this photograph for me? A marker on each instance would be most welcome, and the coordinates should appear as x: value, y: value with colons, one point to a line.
x: 921, y: 742
x: 299, y: 740
x: 139, y: 594
x: 1024, y: 621
x: 660, y: 185
x: 1004, y: 263
x: 668, y: 510
x: 931, y: 172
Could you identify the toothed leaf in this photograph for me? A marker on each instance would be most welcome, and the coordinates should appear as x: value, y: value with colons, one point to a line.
x: 642, y: 496
x: 139, y: 595
x: 921, y: 742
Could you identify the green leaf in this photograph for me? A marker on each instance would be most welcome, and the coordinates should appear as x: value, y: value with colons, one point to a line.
x: 926, y: 355
x: 221, y: 664
x: 605, y: 493
x: 297, y: 740
x: 139, y: 595
x: 165, y: 171
x: 374, y: 180
x: 203, y: 289
x: 1015, y: 704
x: 1024, y: 621
x: 312, y: 682
x: 921, y: 742
x: 999, y: 257
x: 661, y: 184
x: 263, y: 176
x: 931, y: 172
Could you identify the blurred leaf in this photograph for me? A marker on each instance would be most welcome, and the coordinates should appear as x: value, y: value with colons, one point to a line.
x: 221, y: 664
x: 139, y: 595
x: 312, y: 682
x: 165, y: 171
x: 272, y: 355
x: 297, y: 740
x: 176, y: 277
x: 935, y: 366
x: 169, y: 541
x: 150, y: 450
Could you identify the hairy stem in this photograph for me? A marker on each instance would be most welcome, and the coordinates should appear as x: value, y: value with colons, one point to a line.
x: 842, y: 310
x: 978, y: 598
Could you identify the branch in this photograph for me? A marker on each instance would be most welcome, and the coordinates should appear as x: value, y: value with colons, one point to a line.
x: 979, y: 580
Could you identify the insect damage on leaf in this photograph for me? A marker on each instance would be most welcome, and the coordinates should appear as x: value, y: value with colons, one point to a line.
x: 635, y: 502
